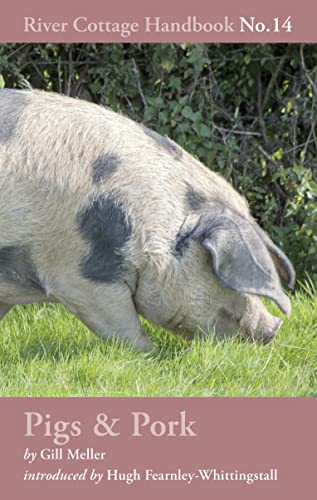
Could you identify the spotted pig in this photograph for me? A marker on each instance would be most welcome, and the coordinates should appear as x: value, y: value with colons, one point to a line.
x: 116, y: 222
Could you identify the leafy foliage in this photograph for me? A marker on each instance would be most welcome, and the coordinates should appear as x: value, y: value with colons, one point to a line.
x: 246, y: 111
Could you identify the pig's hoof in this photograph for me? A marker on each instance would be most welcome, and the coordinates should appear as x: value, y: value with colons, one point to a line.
x: 143, y: 344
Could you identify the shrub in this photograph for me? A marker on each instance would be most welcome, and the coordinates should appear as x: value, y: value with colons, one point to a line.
x: 246, y: 111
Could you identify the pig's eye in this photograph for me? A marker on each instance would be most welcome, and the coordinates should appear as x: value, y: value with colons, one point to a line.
x: 228, y: 315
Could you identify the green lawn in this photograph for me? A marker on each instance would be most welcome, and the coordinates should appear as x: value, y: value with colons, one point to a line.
x: 45, y: 351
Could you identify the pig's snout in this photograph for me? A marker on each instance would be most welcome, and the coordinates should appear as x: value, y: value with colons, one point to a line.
x: 272, y: 331
x: 258, y: 324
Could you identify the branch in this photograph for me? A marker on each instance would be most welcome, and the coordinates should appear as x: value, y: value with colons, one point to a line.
x: 311, y: 81
x: 136, y: 72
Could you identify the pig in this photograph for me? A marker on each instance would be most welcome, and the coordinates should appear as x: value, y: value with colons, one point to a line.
x: 115, y: 221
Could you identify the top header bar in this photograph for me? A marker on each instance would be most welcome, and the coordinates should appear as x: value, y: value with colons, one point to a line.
x: 164, y: 21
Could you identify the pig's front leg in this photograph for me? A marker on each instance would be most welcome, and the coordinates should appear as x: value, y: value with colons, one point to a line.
x: 4, y: 309
x: 107, y: 310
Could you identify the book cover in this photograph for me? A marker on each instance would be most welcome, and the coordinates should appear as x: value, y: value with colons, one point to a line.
x: 158, y: 242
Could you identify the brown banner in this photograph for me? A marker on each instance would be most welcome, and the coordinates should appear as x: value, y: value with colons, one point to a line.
x: 147, y: 448
x: 163, y: 21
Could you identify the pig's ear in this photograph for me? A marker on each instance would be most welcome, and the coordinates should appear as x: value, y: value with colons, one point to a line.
x: 281, y: 262
x: 241, y: 260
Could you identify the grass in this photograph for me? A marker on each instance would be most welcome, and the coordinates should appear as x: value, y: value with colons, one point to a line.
x: 45, y: 351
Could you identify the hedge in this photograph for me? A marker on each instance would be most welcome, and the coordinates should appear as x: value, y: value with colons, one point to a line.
x: 247, y: 111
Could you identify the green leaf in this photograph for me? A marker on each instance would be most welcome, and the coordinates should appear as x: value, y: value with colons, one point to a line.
x: 149, y: 113
x: 188, y: 113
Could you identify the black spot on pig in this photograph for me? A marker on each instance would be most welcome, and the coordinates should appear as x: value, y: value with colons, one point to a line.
x: 104, y: 224
x: 104, y: 166
x: 17, y: 267
x: 12, y: 104
x: 195, y: 200
x: 182, y: 241
x: 165, y: 143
